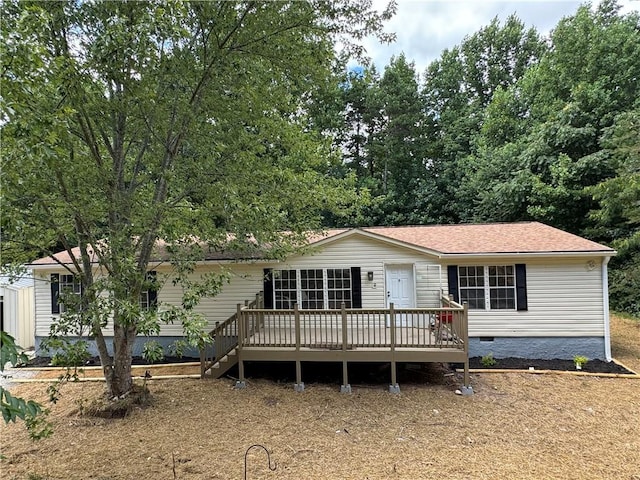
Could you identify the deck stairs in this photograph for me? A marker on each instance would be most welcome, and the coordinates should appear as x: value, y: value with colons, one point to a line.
x: 221, y: 355
x: 225, y: 364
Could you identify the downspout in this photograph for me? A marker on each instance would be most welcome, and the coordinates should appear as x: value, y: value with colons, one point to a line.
x: 605, y: 307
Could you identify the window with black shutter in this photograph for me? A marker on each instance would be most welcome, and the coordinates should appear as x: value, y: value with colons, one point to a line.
x: 489, y: 287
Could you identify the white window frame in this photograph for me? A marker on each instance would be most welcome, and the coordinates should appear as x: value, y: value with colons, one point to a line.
x: 68, y: 285
x: 279, y: 303
x: 506, y: 277
x: 344, y: 291
x: 301, y: 292
x: 145, y: 304
x: 488, y: 288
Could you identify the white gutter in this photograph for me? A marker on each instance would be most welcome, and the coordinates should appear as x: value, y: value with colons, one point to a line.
x: 605, y: 307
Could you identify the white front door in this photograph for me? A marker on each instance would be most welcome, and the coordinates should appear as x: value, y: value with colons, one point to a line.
x: 400, y: 289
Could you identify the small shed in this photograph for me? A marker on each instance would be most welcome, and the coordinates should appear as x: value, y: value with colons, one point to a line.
x: 17, y: 309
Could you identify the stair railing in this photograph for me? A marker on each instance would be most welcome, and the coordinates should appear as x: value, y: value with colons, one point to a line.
x: 225, y: 337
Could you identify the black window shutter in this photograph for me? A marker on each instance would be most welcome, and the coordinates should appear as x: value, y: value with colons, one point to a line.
x: 267, y: 288
x: 55, y: 292
x: 153, y: 290
x: 521, y: 286
x: 356, y: 288
x: 452, y: 280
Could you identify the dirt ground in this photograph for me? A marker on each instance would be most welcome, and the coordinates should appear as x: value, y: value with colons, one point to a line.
x: 517, y: 425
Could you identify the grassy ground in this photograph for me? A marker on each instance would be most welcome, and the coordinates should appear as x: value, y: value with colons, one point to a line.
x: 517, y: 426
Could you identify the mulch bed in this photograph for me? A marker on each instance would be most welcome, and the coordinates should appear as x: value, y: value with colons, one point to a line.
x: 512, y: 363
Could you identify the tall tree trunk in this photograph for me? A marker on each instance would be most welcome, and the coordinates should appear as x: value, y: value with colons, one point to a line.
x: 119, y: 380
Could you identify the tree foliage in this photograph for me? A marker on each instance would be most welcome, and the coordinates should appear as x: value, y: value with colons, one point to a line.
x: 510, y: 126
x: 12, y: 407
x: 129, y: 122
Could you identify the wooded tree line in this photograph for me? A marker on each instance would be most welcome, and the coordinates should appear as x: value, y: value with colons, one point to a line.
x: 506, y: 126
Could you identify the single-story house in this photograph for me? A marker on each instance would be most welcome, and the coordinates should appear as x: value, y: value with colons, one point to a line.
x: 17, y: 309
x: 531, y: 290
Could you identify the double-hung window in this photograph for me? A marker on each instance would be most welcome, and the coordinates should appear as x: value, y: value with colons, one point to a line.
x: 488, y: 287
x: 149, y: 296
x: 312, y: 289
x: 285, y: 288
x: 502, y: 287
x: 472, y: 286
x: 66, y: 292
x: 339, y: 287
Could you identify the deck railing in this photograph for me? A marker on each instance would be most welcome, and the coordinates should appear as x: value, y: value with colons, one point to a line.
x: 224, y: 337
x: 255, y: 328
x: 443, y: 327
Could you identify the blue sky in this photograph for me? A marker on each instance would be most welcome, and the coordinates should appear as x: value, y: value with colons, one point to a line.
x: 424, y: 28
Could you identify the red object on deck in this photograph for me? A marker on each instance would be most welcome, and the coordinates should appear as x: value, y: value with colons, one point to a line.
x: 446, y: 317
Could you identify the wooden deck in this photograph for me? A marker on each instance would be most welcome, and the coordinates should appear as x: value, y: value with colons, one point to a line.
x: 345, y: 335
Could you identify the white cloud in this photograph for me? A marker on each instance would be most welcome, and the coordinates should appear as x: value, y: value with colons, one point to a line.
x: 424, y: 28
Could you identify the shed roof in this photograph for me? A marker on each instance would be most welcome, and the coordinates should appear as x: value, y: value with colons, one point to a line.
x: 465, y: 239
x: 24, y: 281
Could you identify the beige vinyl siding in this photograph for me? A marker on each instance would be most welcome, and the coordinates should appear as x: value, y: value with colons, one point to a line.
x: 247, y: 280
x: 245, y: 283
x: 564, y: 298
x: 564, y: 295
x: 372, y: 256
x: 44, y: 317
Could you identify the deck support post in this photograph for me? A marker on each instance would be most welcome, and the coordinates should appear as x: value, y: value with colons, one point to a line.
x: 203, y: 360
x: 466, y: 389
x: 394, y: 387
x: 299, y: 385
x: 241, y: 383
x: 345, y: 387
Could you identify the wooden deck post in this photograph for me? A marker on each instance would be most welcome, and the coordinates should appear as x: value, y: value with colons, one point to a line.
x: 217, y: 343
x: 299, y: 386
x: 241, y: 383
x: 465, y: 339
x: 203, y: 360
x: 394, y: 387
x: 346, y: 387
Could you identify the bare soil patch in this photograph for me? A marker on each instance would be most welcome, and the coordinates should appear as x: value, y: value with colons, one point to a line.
x: 516, y: 426
x: 625, y: 338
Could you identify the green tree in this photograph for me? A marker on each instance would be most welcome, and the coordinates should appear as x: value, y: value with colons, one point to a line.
x: 12, y: 407
x: 618, y: 218
x: 458, y: 89
x: 129, y: 122
x: 399, y: 141
x: 399, y: 148
x: 554, y: 119
x: 362, y: 118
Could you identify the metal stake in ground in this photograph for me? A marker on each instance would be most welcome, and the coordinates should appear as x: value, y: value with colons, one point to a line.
x: 246, y: 454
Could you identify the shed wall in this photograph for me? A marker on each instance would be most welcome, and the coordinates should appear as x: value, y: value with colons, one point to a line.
x: 19, y: 315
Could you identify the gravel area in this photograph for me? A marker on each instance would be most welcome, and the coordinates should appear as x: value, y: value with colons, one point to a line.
x: 10, y: 374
